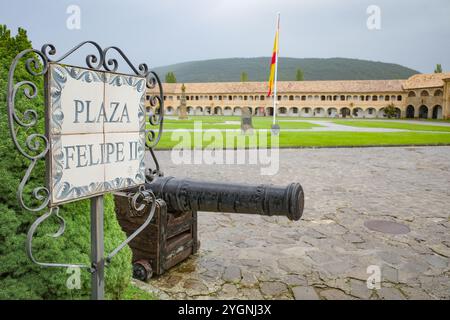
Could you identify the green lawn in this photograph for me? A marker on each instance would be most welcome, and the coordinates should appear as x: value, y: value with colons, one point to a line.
x: 392, y: 125
x: 304, y: 138
x: 307, y: 139
x: 332, y: 139
x: 214, y: 122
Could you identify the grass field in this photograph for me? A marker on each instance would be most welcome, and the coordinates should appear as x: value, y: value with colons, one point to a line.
x: 392, y: 125
x: 234, y: 123
x: 428, y: 135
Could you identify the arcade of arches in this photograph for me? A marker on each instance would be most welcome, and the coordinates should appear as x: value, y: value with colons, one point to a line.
x: 420, y: 96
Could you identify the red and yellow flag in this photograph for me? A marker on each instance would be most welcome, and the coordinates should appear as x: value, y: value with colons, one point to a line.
x: 273, y: 62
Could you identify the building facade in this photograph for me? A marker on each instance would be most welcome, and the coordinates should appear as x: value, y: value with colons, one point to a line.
x: 425, y: 96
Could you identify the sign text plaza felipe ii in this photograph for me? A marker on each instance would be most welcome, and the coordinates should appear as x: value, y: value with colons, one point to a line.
x: 97, y: 132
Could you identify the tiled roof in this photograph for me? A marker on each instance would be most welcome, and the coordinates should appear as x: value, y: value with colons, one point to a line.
x: 425, y: 80
x: 344, y: 86
x: 312, y: 87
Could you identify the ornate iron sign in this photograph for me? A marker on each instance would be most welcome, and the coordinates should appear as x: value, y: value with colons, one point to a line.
x: 96, y: 132
x: 97, y: 129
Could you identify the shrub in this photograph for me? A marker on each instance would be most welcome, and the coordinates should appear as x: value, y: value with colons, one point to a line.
x: 19, y: 277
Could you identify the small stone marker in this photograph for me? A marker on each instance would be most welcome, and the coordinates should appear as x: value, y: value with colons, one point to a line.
x: 246, y: 121
x: 182, y: 114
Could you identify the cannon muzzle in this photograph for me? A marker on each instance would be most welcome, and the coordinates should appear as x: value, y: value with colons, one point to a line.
x: 187, y: 195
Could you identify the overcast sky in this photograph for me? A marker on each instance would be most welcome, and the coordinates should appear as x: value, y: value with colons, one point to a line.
x: 414, y: 33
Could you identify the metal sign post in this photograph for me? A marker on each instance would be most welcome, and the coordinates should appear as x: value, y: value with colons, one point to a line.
x: 97, y: 249
x: 112, y: 157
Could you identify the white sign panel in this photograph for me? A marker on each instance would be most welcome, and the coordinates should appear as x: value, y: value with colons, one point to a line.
x: 96, y: 129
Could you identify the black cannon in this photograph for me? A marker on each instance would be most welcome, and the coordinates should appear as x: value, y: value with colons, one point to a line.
x: 171, y: 236
x: 188, y: 195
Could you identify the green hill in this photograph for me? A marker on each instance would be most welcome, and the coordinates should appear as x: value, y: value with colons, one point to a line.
x: 221, y: 70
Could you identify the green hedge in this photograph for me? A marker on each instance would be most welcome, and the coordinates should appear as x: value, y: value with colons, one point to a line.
x: 19, y: 277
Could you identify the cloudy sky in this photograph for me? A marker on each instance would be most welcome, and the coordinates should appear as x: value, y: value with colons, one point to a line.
x: 414, y: 33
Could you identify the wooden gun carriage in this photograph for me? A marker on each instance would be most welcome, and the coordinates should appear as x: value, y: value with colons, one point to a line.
x: 171, y: 236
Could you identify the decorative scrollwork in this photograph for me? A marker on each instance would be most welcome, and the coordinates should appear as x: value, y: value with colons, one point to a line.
x: 139, y: 201
x: 36, y: 144
x: 151, y: 174
x: 157, y: 103
x: 62, y: 225
x: 92, y: 61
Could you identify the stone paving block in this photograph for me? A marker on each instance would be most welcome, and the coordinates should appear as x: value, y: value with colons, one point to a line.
x: 334, y: 294
x: 273, y: 289
x: 304, y: 293
x: 390, y: 294
x: 232, y: 274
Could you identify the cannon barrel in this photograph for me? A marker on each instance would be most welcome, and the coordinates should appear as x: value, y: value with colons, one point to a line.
x: 187, y: 195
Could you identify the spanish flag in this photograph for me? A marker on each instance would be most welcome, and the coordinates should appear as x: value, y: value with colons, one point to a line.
x: 273, y: 63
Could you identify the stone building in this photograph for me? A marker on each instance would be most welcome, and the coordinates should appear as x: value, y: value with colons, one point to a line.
x: 424, y: 96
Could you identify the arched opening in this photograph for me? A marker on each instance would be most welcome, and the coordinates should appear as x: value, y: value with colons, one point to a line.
x: 358, y: 113
x: 282, y: 111
x: 381, y: 113
x: 207, y: 111
x: 410, y: 111
x: 228, y: 111
x: 438, y: 93
x: 424, y: 93
x: 218, y: 111
x: 370, y: 113
x: 169, y: 111
x: 319, y: 112
x: 411, y: 94
x: 259, y: 111
x: 423, y: 112
x: 305, y: 112
x: 437, y: 112
x: 198, y: 111
x: 345, y: 112
x: 269, y: 111
x: 293, y: 111
x: 190, y: 111
x: 332, y: 112
x: 237, y: 111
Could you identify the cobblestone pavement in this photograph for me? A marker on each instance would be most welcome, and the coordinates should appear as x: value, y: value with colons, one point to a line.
x: 326, y: 254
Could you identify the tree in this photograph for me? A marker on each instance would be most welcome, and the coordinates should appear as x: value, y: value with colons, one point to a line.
x: 170, y: 77
x: 391, y: 111
x: 21, y: 278
x: 299, y: 75
x: 244, y: 77
x: 438, y: 68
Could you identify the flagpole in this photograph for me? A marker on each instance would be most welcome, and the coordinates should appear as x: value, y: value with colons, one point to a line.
x: 276, y: 72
